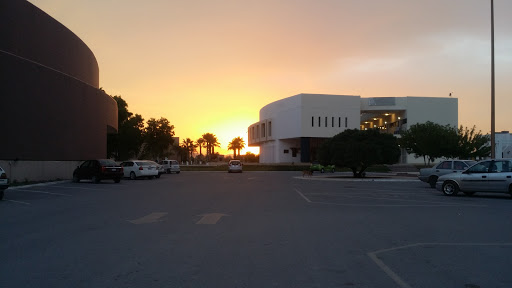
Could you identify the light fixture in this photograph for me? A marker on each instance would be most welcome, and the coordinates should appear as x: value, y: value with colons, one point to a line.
x: 398, y: 118
x: 375, y: 119
x: 387, y: 114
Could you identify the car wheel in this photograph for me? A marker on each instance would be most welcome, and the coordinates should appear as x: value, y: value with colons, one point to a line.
x: 510, y: 189
x: 322, y: 170
x: 432, y: 181
x: 332, y: 170
x: 168, y: 171
x: 178, y: 172
x: 450, y: 188
x: 95, y: 179
x: 76, y: 179
x: 132, y: 175
x: 157, y: 176
x: 117, y: 180
x: 469, y: 193
x: 1, y: 194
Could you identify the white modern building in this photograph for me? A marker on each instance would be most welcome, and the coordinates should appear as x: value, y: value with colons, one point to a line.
x: 292, y: 129
x: 503, y: 144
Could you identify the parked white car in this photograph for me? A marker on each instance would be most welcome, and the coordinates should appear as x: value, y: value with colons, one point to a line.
x: 139, y: 168
x: 4, y: 182
x: 171, y: 166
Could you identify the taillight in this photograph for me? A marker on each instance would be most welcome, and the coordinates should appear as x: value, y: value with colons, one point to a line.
x: 140, y: 168
x: 103, y: 168
x: 3, y: 176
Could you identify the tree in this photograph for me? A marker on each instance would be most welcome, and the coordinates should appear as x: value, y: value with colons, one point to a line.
x: 430, y: 141
x: 251, y: 157
x: 358, y: 150
x: 158, y: 137
x: 236, y: 145
x: 189, y: 146
x: 233, y: 146
x: 240, y: 144
x: 211, y: 142
x: 129, y: 138
x: 200, y: 143
x: 472, y: 144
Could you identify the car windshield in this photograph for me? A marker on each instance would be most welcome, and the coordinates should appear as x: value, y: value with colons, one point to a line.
x: 107, y: 162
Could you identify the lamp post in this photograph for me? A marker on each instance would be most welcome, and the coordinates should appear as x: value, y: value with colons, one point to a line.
x: 493, y: 144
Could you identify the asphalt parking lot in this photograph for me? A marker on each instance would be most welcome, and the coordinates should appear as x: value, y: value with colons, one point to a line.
x: 255, y: 229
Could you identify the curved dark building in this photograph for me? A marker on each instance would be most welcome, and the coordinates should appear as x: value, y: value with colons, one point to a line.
x: 51, y: 106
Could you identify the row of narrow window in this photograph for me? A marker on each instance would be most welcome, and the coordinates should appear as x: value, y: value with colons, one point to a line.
x: 256, y: 133
x: 326, y: 122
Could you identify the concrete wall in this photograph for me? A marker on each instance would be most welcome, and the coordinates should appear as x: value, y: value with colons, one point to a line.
x: 51, y: 106
x: 21, y: 171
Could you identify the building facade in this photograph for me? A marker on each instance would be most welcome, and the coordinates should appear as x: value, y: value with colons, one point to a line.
x: 292, y: 129
x: 51, y: 104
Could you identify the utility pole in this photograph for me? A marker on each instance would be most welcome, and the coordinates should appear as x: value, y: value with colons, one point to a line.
x: 493, y: 129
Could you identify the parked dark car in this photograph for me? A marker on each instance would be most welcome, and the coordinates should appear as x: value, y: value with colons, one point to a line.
x: 4, y: 182
x: 98, y: 170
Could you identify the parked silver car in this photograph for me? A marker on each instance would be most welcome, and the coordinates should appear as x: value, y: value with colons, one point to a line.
x: 235, y: 166
x: 171, y: 166
x: 485, y: 176
x: 430, y: 175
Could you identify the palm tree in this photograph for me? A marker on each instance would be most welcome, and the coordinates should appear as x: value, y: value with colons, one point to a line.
x: 190, y: 147
x: 200, y: 142
x: 233, y: 146
x: 241, y: 144
x: 211, y: 143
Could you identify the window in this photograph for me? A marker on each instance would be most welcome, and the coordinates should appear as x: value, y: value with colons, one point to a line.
x: 346, y: 122
x: 286, y: 151
x: 269, y: 128
x: 325, y: 121
x: 339, y: 121
x: 332, y: 122
x: 312, y: 121
x: 319, y: 122
x: 263, y: 130
x: 445, y: 165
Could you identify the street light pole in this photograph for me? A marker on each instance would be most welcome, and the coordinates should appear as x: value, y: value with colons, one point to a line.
x: 493, y: 131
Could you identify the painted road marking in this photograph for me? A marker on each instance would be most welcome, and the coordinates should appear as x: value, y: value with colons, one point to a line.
x: 427, y: 203
x: 151, y: 218
x: 83, y: 188
x: 210, y: 218
x: 302, y: 195
x: 399, y: 281
x: 42, y: 192
x: 19, y: 202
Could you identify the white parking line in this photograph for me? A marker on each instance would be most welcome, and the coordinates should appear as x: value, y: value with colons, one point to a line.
x: 42, y: 192
x: 82, y: 188
x: 356, y: 179
x: 19, y: 202
x: 302, y: 195
x: 399, y: 281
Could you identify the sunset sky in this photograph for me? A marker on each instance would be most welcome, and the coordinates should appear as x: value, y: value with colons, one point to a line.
x: 210, y: 65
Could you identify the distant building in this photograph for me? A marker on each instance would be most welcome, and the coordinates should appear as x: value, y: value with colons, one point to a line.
x: 503, y: 144
x: 292, y: 129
